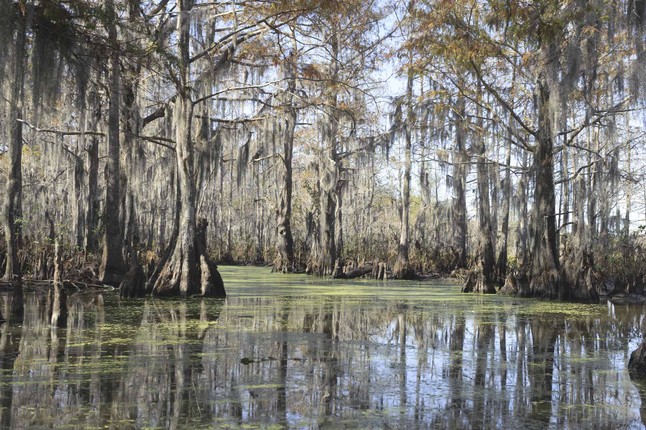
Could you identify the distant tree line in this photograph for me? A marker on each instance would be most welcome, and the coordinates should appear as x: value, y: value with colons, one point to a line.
x: 498, y: 140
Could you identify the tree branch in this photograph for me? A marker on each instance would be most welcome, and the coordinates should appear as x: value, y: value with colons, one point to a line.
x: 502, y: 101
x: 61, y: 132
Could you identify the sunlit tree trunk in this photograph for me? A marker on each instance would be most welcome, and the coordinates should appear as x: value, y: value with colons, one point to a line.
x: 501, y: 266
x: 188, y: 270
x: 402, y: 269
x: 328, y: 177
x: 482, y: 278
x: 329, y: 171
x: 460, y: 162
x: 338, y: 220
x: 285, y: 240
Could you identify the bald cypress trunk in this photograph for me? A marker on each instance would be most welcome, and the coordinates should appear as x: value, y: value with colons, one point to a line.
x: 482, y: 276
x: 402, y: 269
x: 544, y: 266
x: 13, y: 192
x: 113, y: 266
x: 522, y: 230
x: 329, y: 174
x: 460, y: 160
x: 485, y: 282
x: 93, y: 201
x: 182, y: 275
x: 285, y: 240
x: 328, y: 177
x: 547, y: 278
x: 501, y: 265
x: 189, y: 270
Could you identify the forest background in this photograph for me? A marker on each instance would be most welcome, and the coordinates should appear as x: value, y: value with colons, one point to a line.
x: 502, y: 141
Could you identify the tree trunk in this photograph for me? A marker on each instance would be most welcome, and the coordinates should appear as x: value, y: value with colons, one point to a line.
x: 13, y: 195
x: 629, y: 192
x: 501, y: 270
x: 338, y: 220
x: 328, y: 177
x: 329, y: 172
x: 188, y: 271
x: 284, y: 238
x: 486, y: 279
x: 460, y: 160
x: 547, y: 278
x: 482, y: 278
x: 93, y: 202
x: 112, y: 266
x: 544, y: 270
x: 523, y: 228
x: 131, y: 234
x: 402, y: 269
x: 79, y: 216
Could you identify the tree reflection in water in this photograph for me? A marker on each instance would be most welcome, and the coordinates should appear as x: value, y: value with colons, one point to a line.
x: 316, y: 360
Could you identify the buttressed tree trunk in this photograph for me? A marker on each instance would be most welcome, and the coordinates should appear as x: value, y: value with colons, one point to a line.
x: 544, y: 266
x: 13, y: 195
x: 547, y: 278
x: 188, y: 271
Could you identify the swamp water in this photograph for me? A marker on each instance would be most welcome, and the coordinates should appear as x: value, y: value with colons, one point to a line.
x: 301, y: 352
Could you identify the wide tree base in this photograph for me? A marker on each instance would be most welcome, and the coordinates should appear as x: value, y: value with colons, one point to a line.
x: 178, y: 278
x: 189, y: 271
x: 513, y: 284
x: 551, y: 285
x: 544, y: 285
x: 475, y: 282
x: 404, y: 271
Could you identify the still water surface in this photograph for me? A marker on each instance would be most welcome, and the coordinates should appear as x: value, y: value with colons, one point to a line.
x: 301, y: 352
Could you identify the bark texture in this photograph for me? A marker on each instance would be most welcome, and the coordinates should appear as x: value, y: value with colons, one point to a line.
x: 402, y: 268
x: 284, y: 238
x: 13, y: 194
x: 113, y: 267
x: 189, y: 270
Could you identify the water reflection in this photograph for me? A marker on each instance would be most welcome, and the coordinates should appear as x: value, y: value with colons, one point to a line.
x: 316, y: 360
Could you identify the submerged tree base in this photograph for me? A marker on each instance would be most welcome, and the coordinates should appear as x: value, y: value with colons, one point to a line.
x: 475, y: 282
x: 514, y: 282
x: 134, y: 283
x: 189, y: 271
x: 404, y: 271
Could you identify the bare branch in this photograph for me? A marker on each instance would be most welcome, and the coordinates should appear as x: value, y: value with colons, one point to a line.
x: 502, y: 101
x: 61, y: 132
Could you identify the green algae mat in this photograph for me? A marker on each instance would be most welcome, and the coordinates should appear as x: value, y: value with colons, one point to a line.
x: 292, y: 351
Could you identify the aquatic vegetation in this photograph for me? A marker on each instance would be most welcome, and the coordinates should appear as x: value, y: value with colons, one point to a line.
x: 292, y: 351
